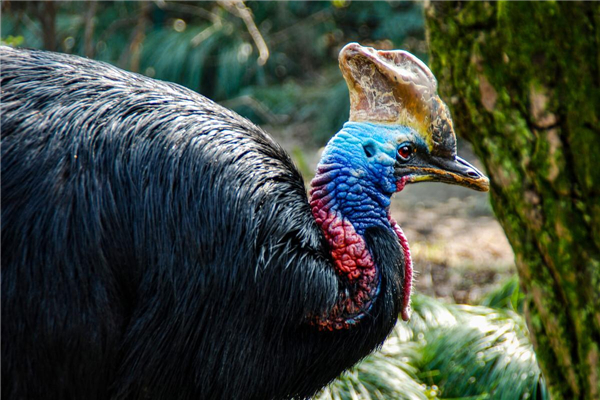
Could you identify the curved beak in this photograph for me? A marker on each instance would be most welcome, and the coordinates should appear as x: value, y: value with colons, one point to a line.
x: 457, y: 172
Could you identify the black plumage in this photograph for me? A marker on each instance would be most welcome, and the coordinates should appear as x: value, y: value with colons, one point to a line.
x: 157, y: 245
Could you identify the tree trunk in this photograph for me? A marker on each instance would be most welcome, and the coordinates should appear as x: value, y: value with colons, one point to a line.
x: 523, y: 82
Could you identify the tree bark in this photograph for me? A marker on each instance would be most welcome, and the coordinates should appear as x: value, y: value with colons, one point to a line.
x: 523, y: 82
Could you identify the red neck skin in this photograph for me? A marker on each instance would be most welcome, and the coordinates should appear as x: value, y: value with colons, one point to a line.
x: 408, y: 269
x: 353, y: 263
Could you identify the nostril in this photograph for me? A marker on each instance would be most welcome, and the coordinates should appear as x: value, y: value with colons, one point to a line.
x: 369, y: 149
x: 473, y: 174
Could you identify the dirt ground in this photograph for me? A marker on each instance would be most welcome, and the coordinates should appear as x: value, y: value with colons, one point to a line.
x: 459, y: 249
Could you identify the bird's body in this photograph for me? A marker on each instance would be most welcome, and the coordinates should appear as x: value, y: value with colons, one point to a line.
x: 156, y: 245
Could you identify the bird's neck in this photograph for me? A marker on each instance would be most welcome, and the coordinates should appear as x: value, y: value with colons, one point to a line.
x: 345, y: 207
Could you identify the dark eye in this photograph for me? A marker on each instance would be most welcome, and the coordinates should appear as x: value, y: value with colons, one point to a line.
x: 405, y: 152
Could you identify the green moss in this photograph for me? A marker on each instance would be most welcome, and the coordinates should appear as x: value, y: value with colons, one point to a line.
x: 538, y: 139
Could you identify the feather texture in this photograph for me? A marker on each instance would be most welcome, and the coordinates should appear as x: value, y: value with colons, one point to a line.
x: 157, y: 245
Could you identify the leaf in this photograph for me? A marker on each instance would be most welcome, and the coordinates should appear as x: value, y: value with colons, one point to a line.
x: 449, y: 351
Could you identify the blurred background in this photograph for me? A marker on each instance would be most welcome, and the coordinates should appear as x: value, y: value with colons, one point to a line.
x: 276, y: 64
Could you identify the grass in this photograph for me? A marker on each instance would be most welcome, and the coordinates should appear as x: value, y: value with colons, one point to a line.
x: 450, y: 351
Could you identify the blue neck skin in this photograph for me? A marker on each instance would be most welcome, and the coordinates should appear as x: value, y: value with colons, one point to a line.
x: 357, y: 172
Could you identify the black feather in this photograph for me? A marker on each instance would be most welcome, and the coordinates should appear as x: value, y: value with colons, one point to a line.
x: 157, y: 245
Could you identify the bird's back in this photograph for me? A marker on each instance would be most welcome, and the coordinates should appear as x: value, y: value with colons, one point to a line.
x: 145, y: 231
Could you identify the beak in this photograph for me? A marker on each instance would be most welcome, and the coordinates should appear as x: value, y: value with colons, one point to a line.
x: 457, y: 172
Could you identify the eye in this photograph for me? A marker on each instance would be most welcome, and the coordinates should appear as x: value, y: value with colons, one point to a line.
x: 405, y: 152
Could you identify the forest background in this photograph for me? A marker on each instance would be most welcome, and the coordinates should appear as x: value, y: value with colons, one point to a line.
x: 276, y: 64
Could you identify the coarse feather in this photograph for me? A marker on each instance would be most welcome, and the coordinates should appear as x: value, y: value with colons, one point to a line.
x: 157, y: 245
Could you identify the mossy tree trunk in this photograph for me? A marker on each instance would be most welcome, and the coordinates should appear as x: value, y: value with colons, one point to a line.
x: 523, y: 82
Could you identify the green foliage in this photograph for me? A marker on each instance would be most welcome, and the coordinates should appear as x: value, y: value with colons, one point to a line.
x: 12, y: 41
x: 207, y: 47
x: 448, y: 352
x: 508, y: 296
x: 386, y: 374
x: 445, y: 351
x: 324, y: 105
x: 211, y: 65
x: 485, y: 355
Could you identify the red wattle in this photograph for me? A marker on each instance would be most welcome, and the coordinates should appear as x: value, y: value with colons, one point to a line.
x: 408, y: 271
x: 353, y: 262
x: 401, y: 183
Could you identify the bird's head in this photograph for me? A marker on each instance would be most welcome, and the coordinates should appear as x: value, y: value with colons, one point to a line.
x: 398, y: 121
x: 399, y: 132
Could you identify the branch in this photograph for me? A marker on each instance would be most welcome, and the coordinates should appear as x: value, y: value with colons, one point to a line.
x: 187, y: 9
x: 138, y: 35
x: 89, y: 28
x: 239, y: 9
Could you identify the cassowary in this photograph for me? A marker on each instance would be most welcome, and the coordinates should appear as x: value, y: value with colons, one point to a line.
x: 156, y: 245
